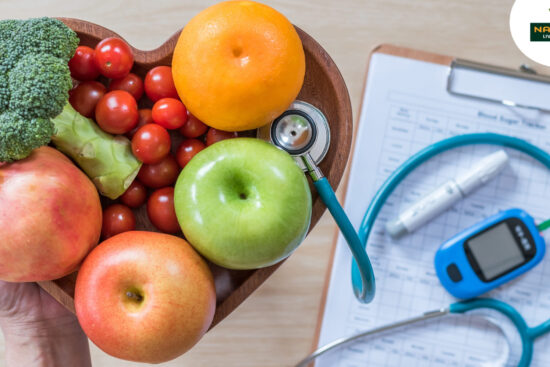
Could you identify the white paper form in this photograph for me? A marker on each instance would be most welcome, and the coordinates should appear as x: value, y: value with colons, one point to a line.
x: 405, y: 108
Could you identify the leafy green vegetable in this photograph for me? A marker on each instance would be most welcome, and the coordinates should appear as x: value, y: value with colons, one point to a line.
x: 4, y: 91
x: 19, y: 136
x: 46, y: 35
x: 34, y: 109
x: 34, y: 81
x: 108, y: 160
x: 8, y: 30
x: 39, y: 86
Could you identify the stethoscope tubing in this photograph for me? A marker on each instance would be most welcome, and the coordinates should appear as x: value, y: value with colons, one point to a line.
x: 364, y: 285
x: 527, y: 334
x: 422, y: 156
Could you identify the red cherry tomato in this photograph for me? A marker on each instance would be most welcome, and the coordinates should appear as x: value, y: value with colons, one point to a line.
x: 131, y: 83
x: 169, y: 113
x: 145, y: 117
x: 85, y: 97
x: 82, y: 65
x: 161, y: 174
x: 135, y: 195
x: 151, y: 143
x: 215, y: 135
x: 187, y: 150
x: 117, y: 112
x: 159, y: 83
x: 160, y: 208
x: 193, y: 128
x: 114, y: 58
x: 117, y: 218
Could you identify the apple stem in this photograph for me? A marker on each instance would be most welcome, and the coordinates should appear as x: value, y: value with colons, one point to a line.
x: 135, y: 296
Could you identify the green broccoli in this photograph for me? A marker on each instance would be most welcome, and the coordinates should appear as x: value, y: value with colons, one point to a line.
x: 4, y: 91
x: 34, y: 81
x: 8, y: 29
x: 46, y: 35
x: 34, y: 109
x: 39, y: 86
x: 18, y: 136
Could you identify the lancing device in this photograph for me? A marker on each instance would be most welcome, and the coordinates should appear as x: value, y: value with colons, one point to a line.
x: 447, y: 195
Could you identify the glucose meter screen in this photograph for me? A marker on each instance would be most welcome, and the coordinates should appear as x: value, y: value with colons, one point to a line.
x: 496, y: 251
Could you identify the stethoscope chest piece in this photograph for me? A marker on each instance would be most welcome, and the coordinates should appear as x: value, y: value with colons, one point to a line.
x: 301, y: 129
x: 303, y: 132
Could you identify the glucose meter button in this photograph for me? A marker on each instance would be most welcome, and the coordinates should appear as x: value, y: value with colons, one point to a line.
x: 454, y: 273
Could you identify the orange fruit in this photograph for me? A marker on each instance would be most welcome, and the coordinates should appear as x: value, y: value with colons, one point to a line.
x: 238, y: 65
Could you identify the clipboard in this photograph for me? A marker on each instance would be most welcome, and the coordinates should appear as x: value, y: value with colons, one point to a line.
x: 452, y: 87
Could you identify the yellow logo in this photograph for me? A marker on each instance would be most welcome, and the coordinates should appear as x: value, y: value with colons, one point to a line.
x: 540, y: 32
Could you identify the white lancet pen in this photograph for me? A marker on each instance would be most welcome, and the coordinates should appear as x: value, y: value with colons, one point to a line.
x: 447, y: 195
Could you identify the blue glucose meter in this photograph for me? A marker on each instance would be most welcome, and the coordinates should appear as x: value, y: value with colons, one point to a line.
x: 490, y: 253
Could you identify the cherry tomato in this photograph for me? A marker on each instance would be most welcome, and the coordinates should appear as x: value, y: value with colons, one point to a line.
x: 117, y: 112
x: 151, y: 143
x: 82, y: 65
x: 160, y: 208
x: 193, y: 128
x: 161, y: 174
x: 159, y: 83
x: 215, y: 135
x: 145, y: 117
x: 85, y: 97
x: 187, y: 150
x: 131, y: 83
x: 169, y: 113
x: 135, y: 195
x: 117, y: 218
x: 113, y: 58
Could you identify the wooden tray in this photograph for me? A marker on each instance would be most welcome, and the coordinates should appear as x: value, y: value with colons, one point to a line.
x: 323, y: 87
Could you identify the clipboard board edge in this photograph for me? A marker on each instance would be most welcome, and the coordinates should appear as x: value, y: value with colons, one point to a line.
x: 387, y: 49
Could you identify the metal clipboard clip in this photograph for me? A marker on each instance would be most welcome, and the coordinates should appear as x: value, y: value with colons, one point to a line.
x: 478, y: 79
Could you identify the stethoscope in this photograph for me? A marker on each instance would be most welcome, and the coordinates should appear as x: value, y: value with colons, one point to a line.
x: 527, y: 334
x: 303, y: 131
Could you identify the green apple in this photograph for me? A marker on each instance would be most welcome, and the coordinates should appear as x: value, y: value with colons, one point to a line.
x: 243, y: 203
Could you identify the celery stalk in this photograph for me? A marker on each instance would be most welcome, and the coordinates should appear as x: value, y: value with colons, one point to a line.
x: 106, y: 159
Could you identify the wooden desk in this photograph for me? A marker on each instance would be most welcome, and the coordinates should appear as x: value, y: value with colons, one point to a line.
x: 275, y: 326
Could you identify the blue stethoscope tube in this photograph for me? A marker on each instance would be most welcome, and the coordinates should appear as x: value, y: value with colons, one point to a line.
x: 359, y: 265
x: 299, y: 131
x: 363, y: 282
x: 527, y: 334
x: 289, y: 135
x: 362, y: 274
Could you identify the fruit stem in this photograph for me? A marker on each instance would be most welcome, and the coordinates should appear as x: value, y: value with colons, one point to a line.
x: 135, y: 296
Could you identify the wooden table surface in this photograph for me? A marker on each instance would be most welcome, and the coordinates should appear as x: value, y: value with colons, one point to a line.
x: 276, y: 325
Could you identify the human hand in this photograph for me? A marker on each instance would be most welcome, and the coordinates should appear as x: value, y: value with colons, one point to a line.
x: 38, y: 330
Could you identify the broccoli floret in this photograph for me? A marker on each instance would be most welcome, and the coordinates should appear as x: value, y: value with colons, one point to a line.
x: 8, y: 28
x: 34, y: 81
x: 34, y: 108
x: 39, y: 86
x: 4, y: 91
x: 45, y: 35
x: 8, y: 31
x: 19, y: 135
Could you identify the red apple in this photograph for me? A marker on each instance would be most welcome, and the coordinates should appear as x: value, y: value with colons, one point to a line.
x: 50, y: 217
x: 145, y: 296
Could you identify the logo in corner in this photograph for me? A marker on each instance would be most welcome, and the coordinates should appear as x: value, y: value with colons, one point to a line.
x: 530, y: 29
x: 540, y: 32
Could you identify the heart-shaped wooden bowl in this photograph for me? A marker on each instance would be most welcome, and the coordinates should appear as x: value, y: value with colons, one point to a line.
x: 323, y: 87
